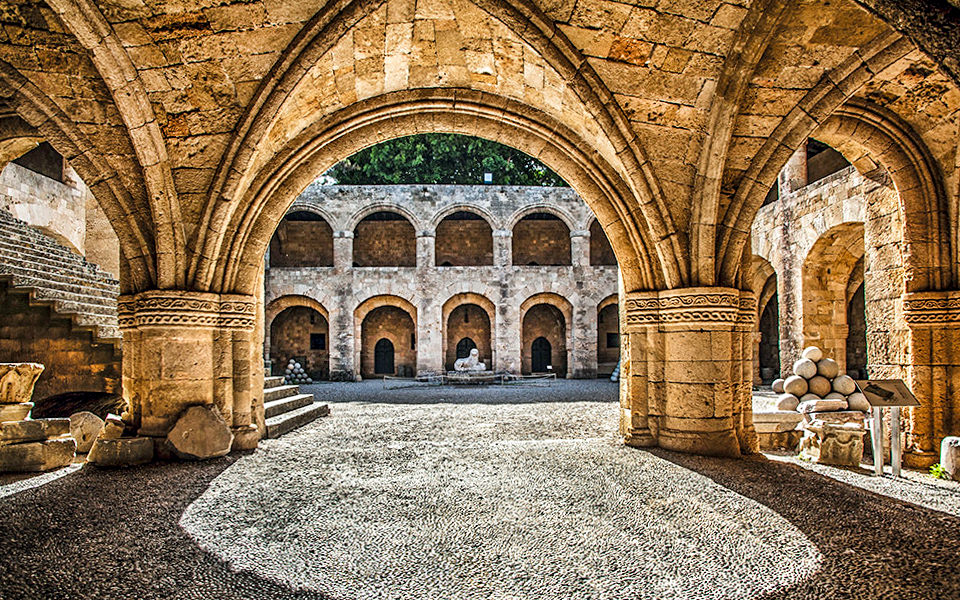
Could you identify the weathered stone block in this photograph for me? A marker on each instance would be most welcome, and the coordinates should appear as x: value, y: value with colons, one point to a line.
x: 15, y: 412
x: 821, y: 406
x: 200, y: 433
x: 840, y: 445
x: 33, y: 457
x: 84, y: 427
x: 121, y: 452
x: 13, y: 432
x: 950, y: 456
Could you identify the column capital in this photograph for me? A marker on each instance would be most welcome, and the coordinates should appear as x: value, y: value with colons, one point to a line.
x: 182, y: 308
x: 579, y: 233
x: 700, y: 307
x: 931, y: 309
x: 343, y: 234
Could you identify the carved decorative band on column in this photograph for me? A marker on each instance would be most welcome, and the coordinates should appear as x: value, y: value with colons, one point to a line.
x: 931, y: 308
x: 192, y: 309
x: 688, y: 305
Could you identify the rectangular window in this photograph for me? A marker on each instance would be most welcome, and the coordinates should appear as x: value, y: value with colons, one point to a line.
x: 613, y: 340
x: 318, y: 341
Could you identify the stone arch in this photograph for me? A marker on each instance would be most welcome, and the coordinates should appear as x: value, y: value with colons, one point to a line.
x: 541, y: 242
x: 450, y: 209
x: 361, y: 125
x: 766, y: 350
x: 827, y: 269
x: 278, y: 305
x: 385, y: 242
x: 302, y: 242
x: 531, y: 209
x: 484, y: 304
x: 375, y: 207
x: 310, y: 207
x: 468, y: 244
x: 565, y: 309
x: 363, y: 350
x: 601, y: 252
x: 608, y: 334
x: 869, y: 137
x: 17, y: 138
x: 298, y: 313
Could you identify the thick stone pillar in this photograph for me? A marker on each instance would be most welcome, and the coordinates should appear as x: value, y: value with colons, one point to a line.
x: 584, y: 355
x: 342, y: 249
x: 430, y: 349
x: 190, y: 348
x: 580, y: 248
x: 508, y: 338
x: 502, y: 248
x: 426, y: 249
x: 687, y: 370
x: 934, y: 373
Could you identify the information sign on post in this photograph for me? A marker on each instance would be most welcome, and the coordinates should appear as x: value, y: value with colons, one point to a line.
x: 892, y: 394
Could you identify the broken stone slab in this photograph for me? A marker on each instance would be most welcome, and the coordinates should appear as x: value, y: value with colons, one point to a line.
x: 113, y: 428
x: 16, y: 382
x: 840, y: 445
x: 950, y: 456
x: 838, y: 417
x: 200, y: 433
x: 32, y: 457
x: 822, y: 405
x: 777, y: 421
x: 16, y: 432
x: 85, y: 427
x: 121, y: 452
x: 15, y: 412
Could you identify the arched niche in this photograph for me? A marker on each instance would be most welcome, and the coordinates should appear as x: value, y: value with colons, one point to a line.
x: 303, y: 239
x: 541, y: 239
x: 384, y: 238
x: 464, y: 239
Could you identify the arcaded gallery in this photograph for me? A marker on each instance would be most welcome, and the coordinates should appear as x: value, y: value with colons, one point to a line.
x: 456, y: 299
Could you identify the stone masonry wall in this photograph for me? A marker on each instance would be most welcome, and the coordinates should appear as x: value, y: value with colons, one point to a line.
x: 290, y: 338
x: 342, y: 288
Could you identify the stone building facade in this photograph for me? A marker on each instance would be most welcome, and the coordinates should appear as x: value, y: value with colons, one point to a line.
x: 425, y: 273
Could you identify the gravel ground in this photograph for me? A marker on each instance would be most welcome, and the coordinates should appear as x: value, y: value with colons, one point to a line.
x: 485, y: 494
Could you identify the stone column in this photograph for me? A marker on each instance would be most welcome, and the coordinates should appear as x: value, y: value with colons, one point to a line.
x: 508, y: 338
x: 933, y: 373
x: 584, y: 365
x: 186, y: 348
x: 502, y: 248
x: 430, y: 349
x: 426, y: 249
x: 580, y: 248
x: 688, y: 366
x: 793, y: 176
x: 342, y: 249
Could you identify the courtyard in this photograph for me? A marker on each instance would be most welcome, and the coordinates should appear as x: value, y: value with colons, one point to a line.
x: 477, y: 492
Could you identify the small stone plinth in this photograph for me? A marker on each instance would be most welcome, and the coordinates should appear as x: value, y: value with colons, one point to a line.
x: 33, y: 457
x: 950, y: 456
x: 833, y: 444
x: 15, y: 412
x: 778, y: 429
x: 121, y: 452
x: 17, y: 432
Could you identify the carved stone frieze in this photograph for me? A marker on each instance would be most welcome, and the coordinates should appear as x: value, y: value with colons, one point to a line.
x: 931, y: 308
x: 186, y: 309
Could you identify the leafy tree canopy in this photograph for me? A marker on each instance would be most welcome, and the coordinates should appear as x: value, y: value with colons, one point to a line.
x: 443, y: 158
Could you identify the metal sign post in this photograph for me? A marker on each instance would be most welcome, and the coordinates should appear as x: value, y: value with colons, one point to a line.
x: 892, y: 394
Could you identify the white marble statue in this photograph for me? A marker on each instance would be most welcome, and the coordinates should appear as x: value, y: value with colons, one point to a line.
x: 470, y: 363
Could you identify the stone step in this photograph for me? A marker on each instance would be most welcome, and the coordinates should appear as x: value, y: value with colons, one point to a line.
x: 71, y: 264
x: 56, y: 291
x: 285, y: 405
x: 95, y: 285
x: 287, y: 422
x: 282, y: 391
x: 272, y: 381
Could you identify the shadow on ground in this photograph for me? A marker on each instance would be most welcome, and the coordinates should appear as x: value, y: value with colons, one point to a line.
x: 873, y: 546
x: 115, y: 534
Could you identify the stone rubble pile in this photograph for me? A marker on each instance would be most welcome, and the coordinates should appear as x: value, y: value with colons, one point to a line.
x: 832, y: 408
x: 295, y: 374
x: 29, y: 445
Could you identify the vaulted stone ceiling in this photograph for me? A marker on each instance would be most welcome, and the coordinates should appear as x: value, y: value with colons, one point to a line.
x: 182, y: 115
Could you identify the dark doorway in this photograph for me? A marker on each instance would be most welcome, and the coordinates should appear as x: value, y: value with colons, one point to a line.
x: 540, y: 355
x: 464, y: 347
x: 383, y: 357
x: 770, y: 341
x: 857, y: 335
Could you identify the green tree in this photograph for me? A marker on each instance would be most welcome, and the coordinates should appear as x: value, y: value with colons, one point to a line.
x: 443, y: 158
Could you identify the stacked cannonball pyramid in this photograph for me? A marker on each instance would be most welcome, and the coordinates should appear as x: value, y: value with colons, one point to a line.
x: 817, y: 386
x: 295, y: 374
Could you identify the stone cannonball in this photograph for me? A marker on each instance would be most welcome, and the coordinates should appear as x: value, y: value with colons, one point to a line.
x: 828, y: 368
x: 819, y: 385
x: 845, y: 385
x: 795, y: 385
x: 858, y: 401
x: 787, y: 402
x: 813, y: 353
x: 805, y: 368
x: 777, y: 386
x: 810, y: 398
x: 834, y: 396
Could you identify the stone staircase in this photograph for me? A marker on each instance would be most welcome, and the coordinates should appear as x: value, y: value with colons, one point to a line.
x: 285, y: 408
x: 52, y: 275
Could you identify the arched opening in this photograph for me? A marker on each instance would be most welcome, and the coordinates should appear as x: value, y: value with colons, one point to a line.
x: 468, y: 323
x: 769, y: 351
x: 384, y: 239
x: 608, y: 337
x: 464, y: 347
x: 464, y: 239
x: 303, y: 239
x: 601, y: 252
x: 388, y: 327
x: 541, y: 239
x: 545, y: 328
x: 301, y: 333
x: 857, y: 334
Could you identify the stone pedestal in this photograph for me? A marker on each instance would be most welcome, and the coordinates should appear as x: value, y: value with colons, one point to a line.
x: 934, y: 373
x: 687, y: 370
x: 830, y: 444
x: 778, y: 430
x: 189, y: 348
